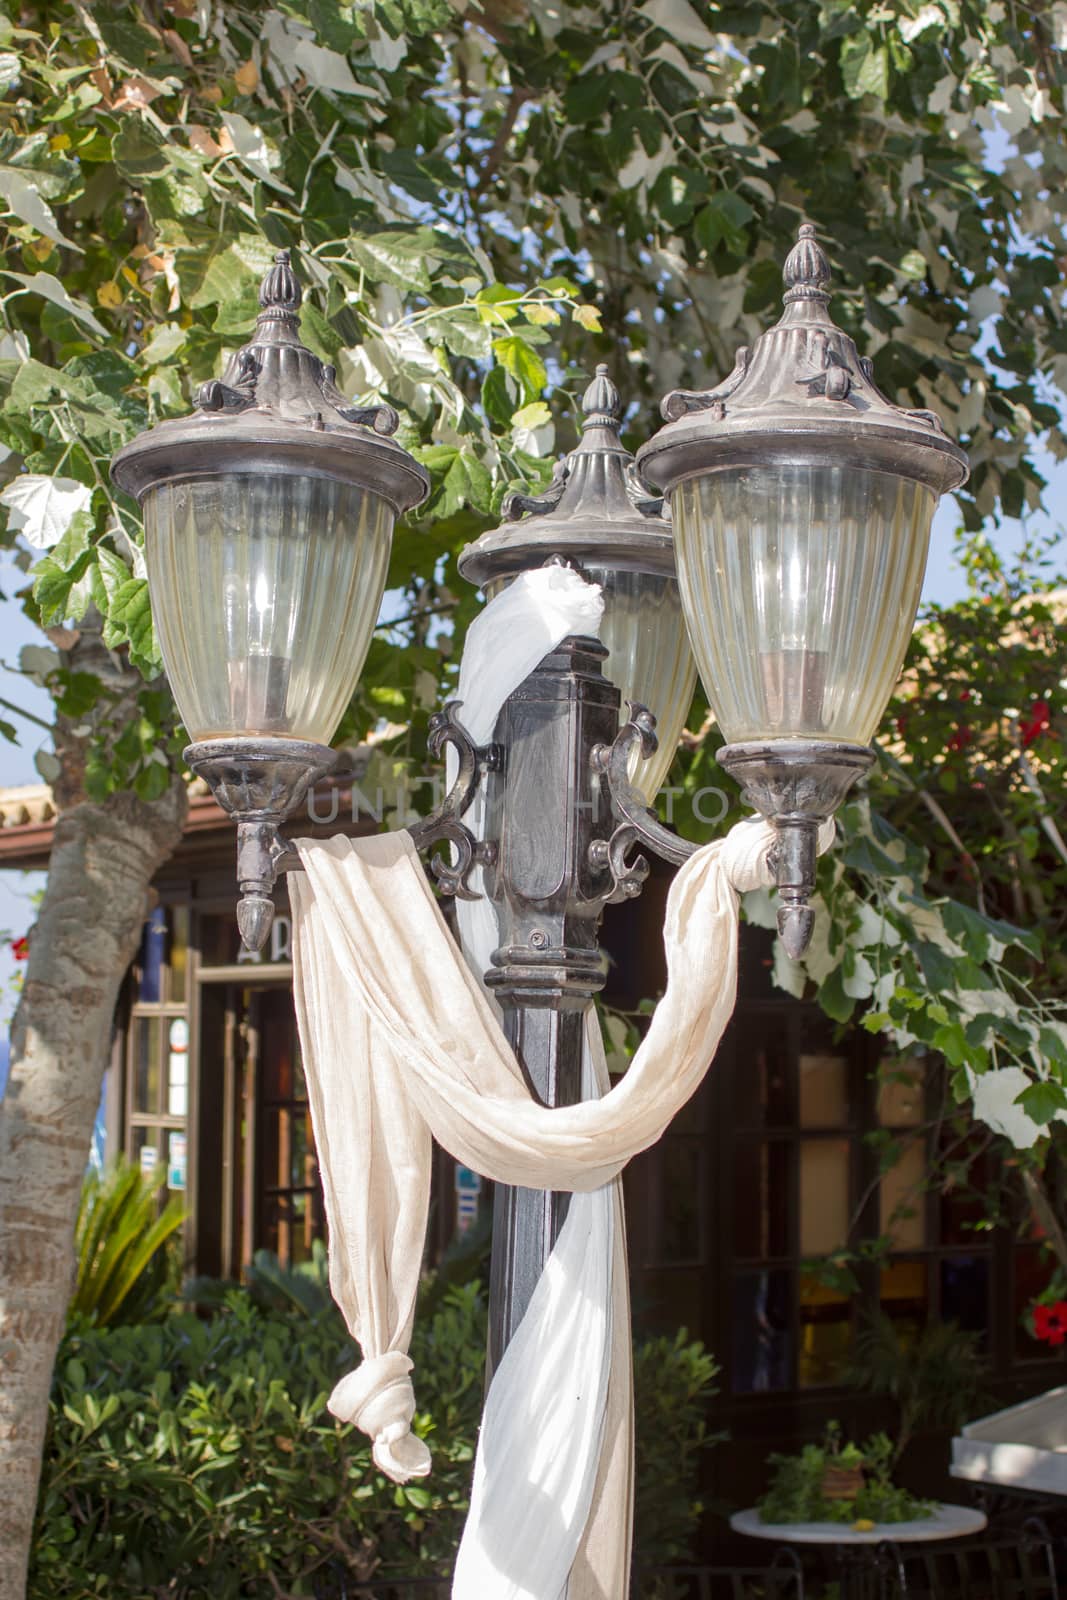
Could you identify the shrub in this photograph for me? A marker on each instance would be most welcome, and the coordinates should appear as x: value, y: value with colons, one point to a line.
x: 124, y: 1242
x: 674, y: 1379
x: 194, y: 1458
x: 935, y: 1381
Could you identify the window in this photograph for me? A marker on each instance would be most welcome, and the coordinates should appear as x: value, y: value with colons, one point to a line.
x: 793, y: 1125
x: 801, y: 1145
x: 289, y: 1192
x: 157, y: 1051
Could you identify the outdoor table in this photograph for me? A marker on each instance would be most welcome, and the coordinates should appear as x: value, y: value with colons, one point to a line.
x: 856, y: 1550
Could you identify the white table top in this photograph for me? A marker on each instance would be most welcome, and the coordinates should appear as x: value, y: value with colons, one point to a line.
x: 948, y: 1522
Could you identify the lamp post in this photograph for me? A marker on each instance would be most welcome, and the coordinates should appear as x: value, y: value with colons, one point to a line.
x: 802, y: 502
x: 555, y: 869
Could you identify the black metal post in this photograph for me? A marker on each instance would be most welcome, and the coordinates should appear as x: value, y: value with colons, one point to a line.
x: 544, y: 810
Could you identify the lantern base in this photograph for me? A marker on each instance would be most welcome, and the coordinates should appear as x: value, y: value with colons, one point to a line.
x: 259, y: 782
x: 797, y: 784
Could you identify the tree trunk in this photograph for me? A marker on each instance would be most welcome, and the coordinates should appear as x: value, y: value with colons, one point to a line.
x: 103, y: 860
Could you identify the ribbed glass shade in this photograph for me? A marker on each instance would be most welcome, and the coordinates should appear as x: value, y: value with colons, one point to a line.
x: 265, y: 592
x: 800, y: 583
x: 649, y: 660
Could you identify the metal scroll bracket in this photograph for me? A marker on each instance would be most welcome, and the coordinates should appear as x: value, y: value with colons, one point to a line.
x: 796, y: 784
x: 443, y: 825
x: 637, y: 824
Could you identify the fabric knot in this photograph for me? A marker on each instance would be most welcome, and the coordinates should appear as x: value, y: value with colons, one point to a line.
x: 379, y: 1399
x: 746, y: 849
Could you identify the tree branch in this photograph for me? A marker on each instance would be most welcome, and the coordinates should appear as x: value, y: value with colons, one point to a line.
x: 1045, y: 1214
x: 29, y: 716
x: 517, y: 99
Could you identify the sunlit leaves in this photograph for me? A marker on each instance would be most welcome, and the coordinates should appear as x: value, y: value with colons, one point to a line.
x: 864, y: 66
x: 50, y: 288
x: 523, y: 364
x: 42, y: 508
x: 130, y: 621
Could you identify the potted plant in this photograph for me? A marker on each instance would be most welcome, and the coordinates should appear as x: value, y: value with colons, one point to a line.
x: 839, y: 1481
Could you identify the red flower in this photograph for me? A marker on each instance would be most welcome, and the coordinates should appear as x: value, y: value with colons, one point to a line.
x: 1050, y: 1322
x: 961, y: 738
x: 20, y: 948
x: 1039, y: 719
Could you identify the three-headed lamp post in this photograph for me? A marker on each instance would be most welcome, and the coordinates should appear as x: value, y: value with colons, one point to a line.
x: 801, y: 501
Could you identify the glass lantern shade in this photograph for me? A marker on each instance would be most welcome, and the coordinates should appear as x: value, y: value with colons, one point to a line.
x: 800, y: 582
x: 649, y: 660
x: 266, y: 589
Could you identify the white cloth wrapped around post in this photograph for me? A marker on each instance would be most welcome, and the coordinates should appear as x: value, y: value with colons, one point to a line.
x: 400, y: 1043
x: 401, y: 1040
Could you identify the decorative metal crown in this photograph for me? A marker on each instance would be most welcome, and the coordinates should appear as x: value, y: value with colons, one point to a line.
x: 592, y: 487
x: 596, y: 507
x: 275, y: 370
x: 803, y: 377
x: 276, y: 408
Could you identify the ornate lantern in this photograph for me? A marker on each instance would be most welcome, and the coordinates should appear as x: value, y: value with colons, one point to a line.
x: 597, y: 513
x: 802, y: 501
x: 268, y: 523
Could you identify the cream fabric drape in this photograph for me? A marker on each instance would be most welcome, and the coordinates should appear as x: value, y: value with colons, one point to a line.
x: 400, y: 1043
x: 400, y: 1040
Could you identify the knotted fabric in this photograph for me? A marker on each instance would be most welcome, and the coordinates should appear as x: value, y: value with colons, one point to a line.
x: 401, y: 1045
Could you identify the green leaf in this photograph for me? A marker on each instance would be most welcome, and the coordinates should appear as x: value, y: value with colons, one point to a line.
x: 397, y: 256
x: 532, y: 416
x: 952, y: 1043
x: 522, y: 363
x: 497, y: 304
x: 833, y: 999
x: 497, y: 396
x: 22, y: 197
x: 139, y: 151
x: 467, y: 482
x: 1043, y: 1100
x: 864, y: 67
x: 131, y: 612
x: 724, y: 218
x: 163, y: 344
x: 1052, y: 1046
x: 152, y: 781
x: 53, y: 586
x: 107, y: 574
x: 50, y: 288
x: 677, y: 192
x: 231, y: 282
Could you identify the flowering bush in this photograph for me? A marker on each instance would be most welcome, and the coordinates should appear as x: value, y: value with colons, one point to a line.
x: 1045, y: 1318
x: 1050, y: 1322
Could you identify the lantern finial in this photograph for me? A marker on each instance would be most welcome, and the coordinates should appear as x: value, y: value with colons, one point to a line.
x: 601, y: 402
x: 806, y: 273
x: 280, y: 290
